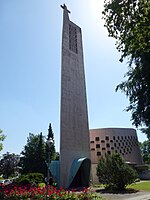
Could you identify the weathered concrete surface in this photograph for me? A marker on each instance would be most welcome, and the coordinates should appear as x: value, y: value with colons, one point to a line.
x: 74, y: 129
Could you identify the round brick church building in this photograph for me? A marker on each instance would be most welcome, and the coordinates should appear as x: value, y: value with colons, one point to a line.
x: 114, y: 140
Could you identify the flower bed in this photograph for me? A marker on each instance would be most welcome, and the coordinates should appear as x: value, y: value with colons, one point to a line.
x: 28, y: 192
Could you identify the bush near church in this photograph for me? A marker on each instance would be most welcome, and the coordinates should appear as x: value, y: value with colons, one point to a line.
x: 114, y: 173
x: 30, y: 178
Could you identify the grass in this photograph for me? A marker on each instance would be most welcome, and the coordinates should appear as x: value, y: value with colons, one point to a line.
x: 143, y: 185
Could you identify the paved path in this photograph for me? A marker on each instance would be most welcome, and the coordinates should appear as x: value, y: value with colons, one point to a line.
x: 127, y: 196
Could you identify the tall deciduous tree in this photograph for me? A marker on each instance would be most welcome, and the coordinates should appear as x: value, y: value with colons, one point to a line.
x: 2, y: 138
x: 9, y: 164
x: 145, y: 150
x: 34, y: 154
x: 128, y: 21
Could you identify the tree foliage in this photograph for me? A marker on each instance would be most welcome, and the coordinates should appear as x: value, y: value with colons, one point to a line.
x: 52, y: 150
x: 36, y: 151
x: 31, y: 178
x: 114, y: 173
x: 2, y: 138
x: 128, y: 21
x: 34, y: 157
x: 145, y: 150
x: 9, y: 164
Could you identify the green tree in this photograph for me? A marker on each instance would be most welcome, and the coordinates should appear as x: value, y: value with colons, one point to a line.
x: 34, y: 156
x: 9, y: 164
x: 53, y: 154
x: 2, y: 138
x: 114, y: 173
x: 145, y: 150
x: 128, y: 21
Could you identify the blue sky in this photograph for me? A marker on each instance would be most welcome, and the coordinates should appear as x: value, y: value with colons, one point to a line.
x: 30, y: 57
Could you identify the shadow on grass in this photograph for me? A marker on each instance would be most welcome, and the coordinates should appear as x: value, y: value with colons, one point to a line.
x: 126, y: 191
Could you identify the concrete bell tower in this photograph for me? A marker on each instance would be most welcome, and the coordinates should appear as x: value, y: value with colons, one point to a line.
x: 74, y: 129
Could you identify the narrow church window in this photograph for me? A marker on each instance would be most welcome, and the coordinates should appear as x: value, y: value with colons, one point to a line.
x: 107, y: 138
x: 97, y: 138
x: 98, y: 153
x: 73, y: 38
x: 107, y: 145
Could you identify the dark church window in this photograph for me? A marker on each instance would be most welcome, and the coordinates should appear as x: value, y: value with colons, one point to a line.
x: 97, y: 138
x: 92, y: 149
x: 107, y: 138
x: 73, y: 38
x: 98, y: 153
x: 97, y: 145
x: 107, y: 145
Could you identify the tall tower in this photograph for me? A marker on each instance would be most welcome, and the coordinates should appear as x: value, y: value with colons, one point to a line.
x: 74, y: 129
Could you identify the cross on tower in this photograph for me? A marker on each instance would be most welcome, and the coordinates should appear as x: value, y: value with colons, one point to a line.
x: 65, y: 8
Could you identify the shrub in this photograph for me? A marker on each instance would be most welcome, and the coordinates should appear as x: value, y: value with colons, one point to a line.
x: 114, y: 173
x: 31, y: 178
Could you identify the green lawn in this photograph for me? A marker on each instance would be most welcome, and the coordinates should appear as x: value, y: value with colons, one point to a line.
x: 143, y: 185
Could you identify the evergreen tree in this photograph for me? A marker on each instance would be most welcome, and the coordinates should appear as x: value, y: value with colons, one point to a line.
x: 51, y: 149
x: 114, y: 173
